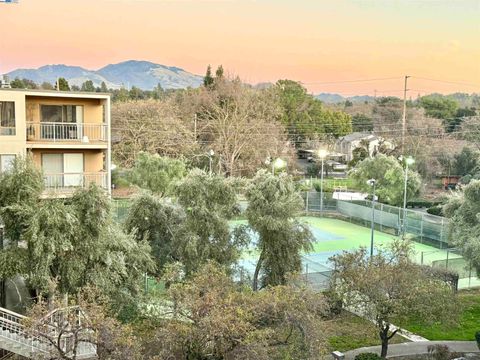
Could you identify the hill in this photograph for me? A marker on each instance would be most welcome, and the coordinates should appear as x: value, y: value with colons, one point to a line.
x: 142, y: 74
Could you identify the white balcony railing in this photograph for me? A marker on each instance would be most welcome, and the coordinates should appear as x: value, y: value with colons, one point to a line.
x: 7, y: 130
x: 80, y: 132
x: 72, y: 181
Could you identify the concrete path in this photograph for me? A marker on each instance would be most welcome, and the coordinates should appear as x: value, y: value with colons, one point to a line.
x: 414, y: 348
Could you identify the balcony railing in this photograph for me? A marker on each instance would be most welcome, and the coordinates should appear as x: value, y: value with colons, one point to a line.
x: 7, y: 130
x: 74, y: 132
x: 73, y: 181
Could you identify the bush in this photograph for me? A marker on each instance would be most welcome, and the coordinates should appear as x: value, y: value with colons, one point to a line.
x: 435, y: 210
x: 367, y: 356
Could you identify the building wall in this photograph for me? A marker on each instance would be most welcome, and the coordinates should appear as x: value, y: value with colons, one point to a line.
x: 14, y: 144
x: 92, y: 159
x: 92, y: 108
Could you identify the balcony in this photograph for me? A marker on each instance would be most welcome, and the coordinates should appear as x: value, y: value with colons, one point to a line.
x: 66, y: 132
x: 65, y: 183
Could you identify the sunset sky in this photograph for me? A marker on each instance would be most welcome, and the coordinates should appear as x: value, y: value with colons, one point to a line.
x: 317, y: 42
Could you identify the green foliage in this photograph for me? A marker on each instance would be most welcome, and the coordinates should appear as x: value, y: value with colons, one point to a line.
x: 390, y: 288
x: 273, y: 206
x: 209, y: 202
x: 362, y: 123
x: 23, y: 84
x: 390, y: 176
x: 159, y: 222
x: 435, y: 210
x: 156, y: 173
x: 367, y: 356
x: 439, y: 107
x: 305, y: 116
x: 208, y: 80
x: 468, y: 303
x: 62, y: 84
x: 88, y: 86
x: 467, y: 162
x: 20, y: 188
x: 464, y: 211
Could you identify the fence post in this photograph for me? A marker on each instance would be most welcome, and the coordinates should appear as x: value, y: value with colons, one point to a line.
x: 421, y: 258
x: 441, y: 236
x: 421, y: 229
x: 306, y: 207
x: 446, y: 263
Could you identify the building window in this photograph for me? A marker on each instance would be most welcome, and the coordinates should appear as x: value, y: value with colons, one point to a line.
x: 61, y: 113
x: 7, y: 118
x: 6, y: 162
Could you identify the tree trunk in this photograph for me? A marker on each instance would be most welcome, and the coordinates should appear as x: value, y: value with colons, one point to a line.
x: 257, y: 272
x: 384, y: 338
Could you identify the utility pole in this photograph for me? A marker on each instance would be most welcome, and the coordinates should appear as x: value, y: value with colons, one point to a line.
x: 404, y: 115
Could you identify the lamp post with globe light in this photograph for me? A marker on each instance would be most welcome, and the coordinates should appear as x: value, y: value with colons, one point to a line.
x: 210, y: 155
x: 322, y: 154
x: 277, y: 164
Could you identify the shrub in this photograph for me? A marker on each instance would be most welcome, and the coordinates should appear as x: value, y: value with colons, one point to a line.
x: 367, y: 356
x: 435, y: 210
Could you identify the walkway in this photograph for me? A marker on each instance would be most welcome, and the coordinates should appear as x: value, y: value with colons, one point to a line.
x: 415, y: 348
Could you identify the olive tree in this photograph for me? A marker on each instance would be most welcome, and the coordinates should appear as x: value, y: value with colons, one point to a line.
x: 463, y: 210
x: 273, y: 206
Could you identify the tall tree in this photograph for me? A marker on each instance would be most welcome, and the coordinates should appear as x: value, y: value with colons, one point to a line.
x: 274, y: 204
x: 150, y: 126
x: 62, y: 84
x: 161, y: 223
x: 209, y: 202
x: 305, y: 117
x: 463, y: 211
x: 208, y: 80
x: 388, y: 288
x: 103, y: 87
x: 390, y: 176
x: 88, y: 86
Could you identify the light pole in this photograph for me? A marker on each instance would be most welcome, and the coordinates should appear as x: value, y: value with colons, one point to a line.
x: 210, y: 155
x: 322, y: 154
x: 372, y: 183
x: 408, y: 161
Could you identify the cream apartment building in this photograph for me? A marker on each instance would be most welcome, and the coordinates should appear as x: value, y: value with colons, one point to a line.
x: 67, y: 134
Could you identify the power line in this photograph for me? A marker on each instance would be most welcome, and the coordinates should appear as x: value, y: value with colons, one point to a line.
x: 347, y: 81
x: 447, y: 81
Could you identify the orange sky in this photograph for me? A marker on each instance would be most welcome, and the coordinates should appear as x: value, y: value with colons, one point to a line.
x: 313, y: 41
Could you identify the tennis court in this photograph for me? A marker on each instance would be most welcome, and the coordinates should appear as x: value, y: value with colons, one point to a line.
x: 332, y: 236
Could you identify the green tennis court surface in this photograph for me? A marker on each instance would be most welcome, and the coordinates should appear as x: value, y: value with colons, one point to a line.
x: 332, y: 236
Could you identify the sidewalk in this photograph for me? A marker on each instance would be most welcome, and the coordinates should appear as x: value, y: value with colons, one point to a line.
x: 414, y: 348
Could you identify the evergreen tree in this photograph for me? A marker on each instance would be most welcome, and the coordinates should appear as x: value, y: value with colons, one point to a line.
x: 62, y: 84
x: 219, y: 72
x: 208, y: 80
x: 103, y: 87
x: 88, y: 86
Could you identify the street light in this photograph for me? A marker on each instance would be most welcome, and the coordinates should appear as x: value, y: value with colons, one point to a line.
x: 372, y: 183
x: 408, y: 161
x: 210, y: 155
x: 277, y: 164
x: 322, y: 154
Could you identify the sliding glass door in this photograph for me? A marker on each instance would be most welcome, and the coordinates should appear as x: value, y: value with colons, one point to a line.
x: 63, y: 170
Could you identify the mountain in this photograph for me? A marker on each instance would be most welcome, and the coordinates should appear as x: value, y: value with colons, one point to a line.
x: 336, y: 98
x: 142, y: 74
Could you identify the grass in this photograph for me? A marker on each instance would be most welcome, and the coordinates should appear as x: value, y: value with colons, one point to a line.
x: 468, y: 321
x: 347, y: 332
